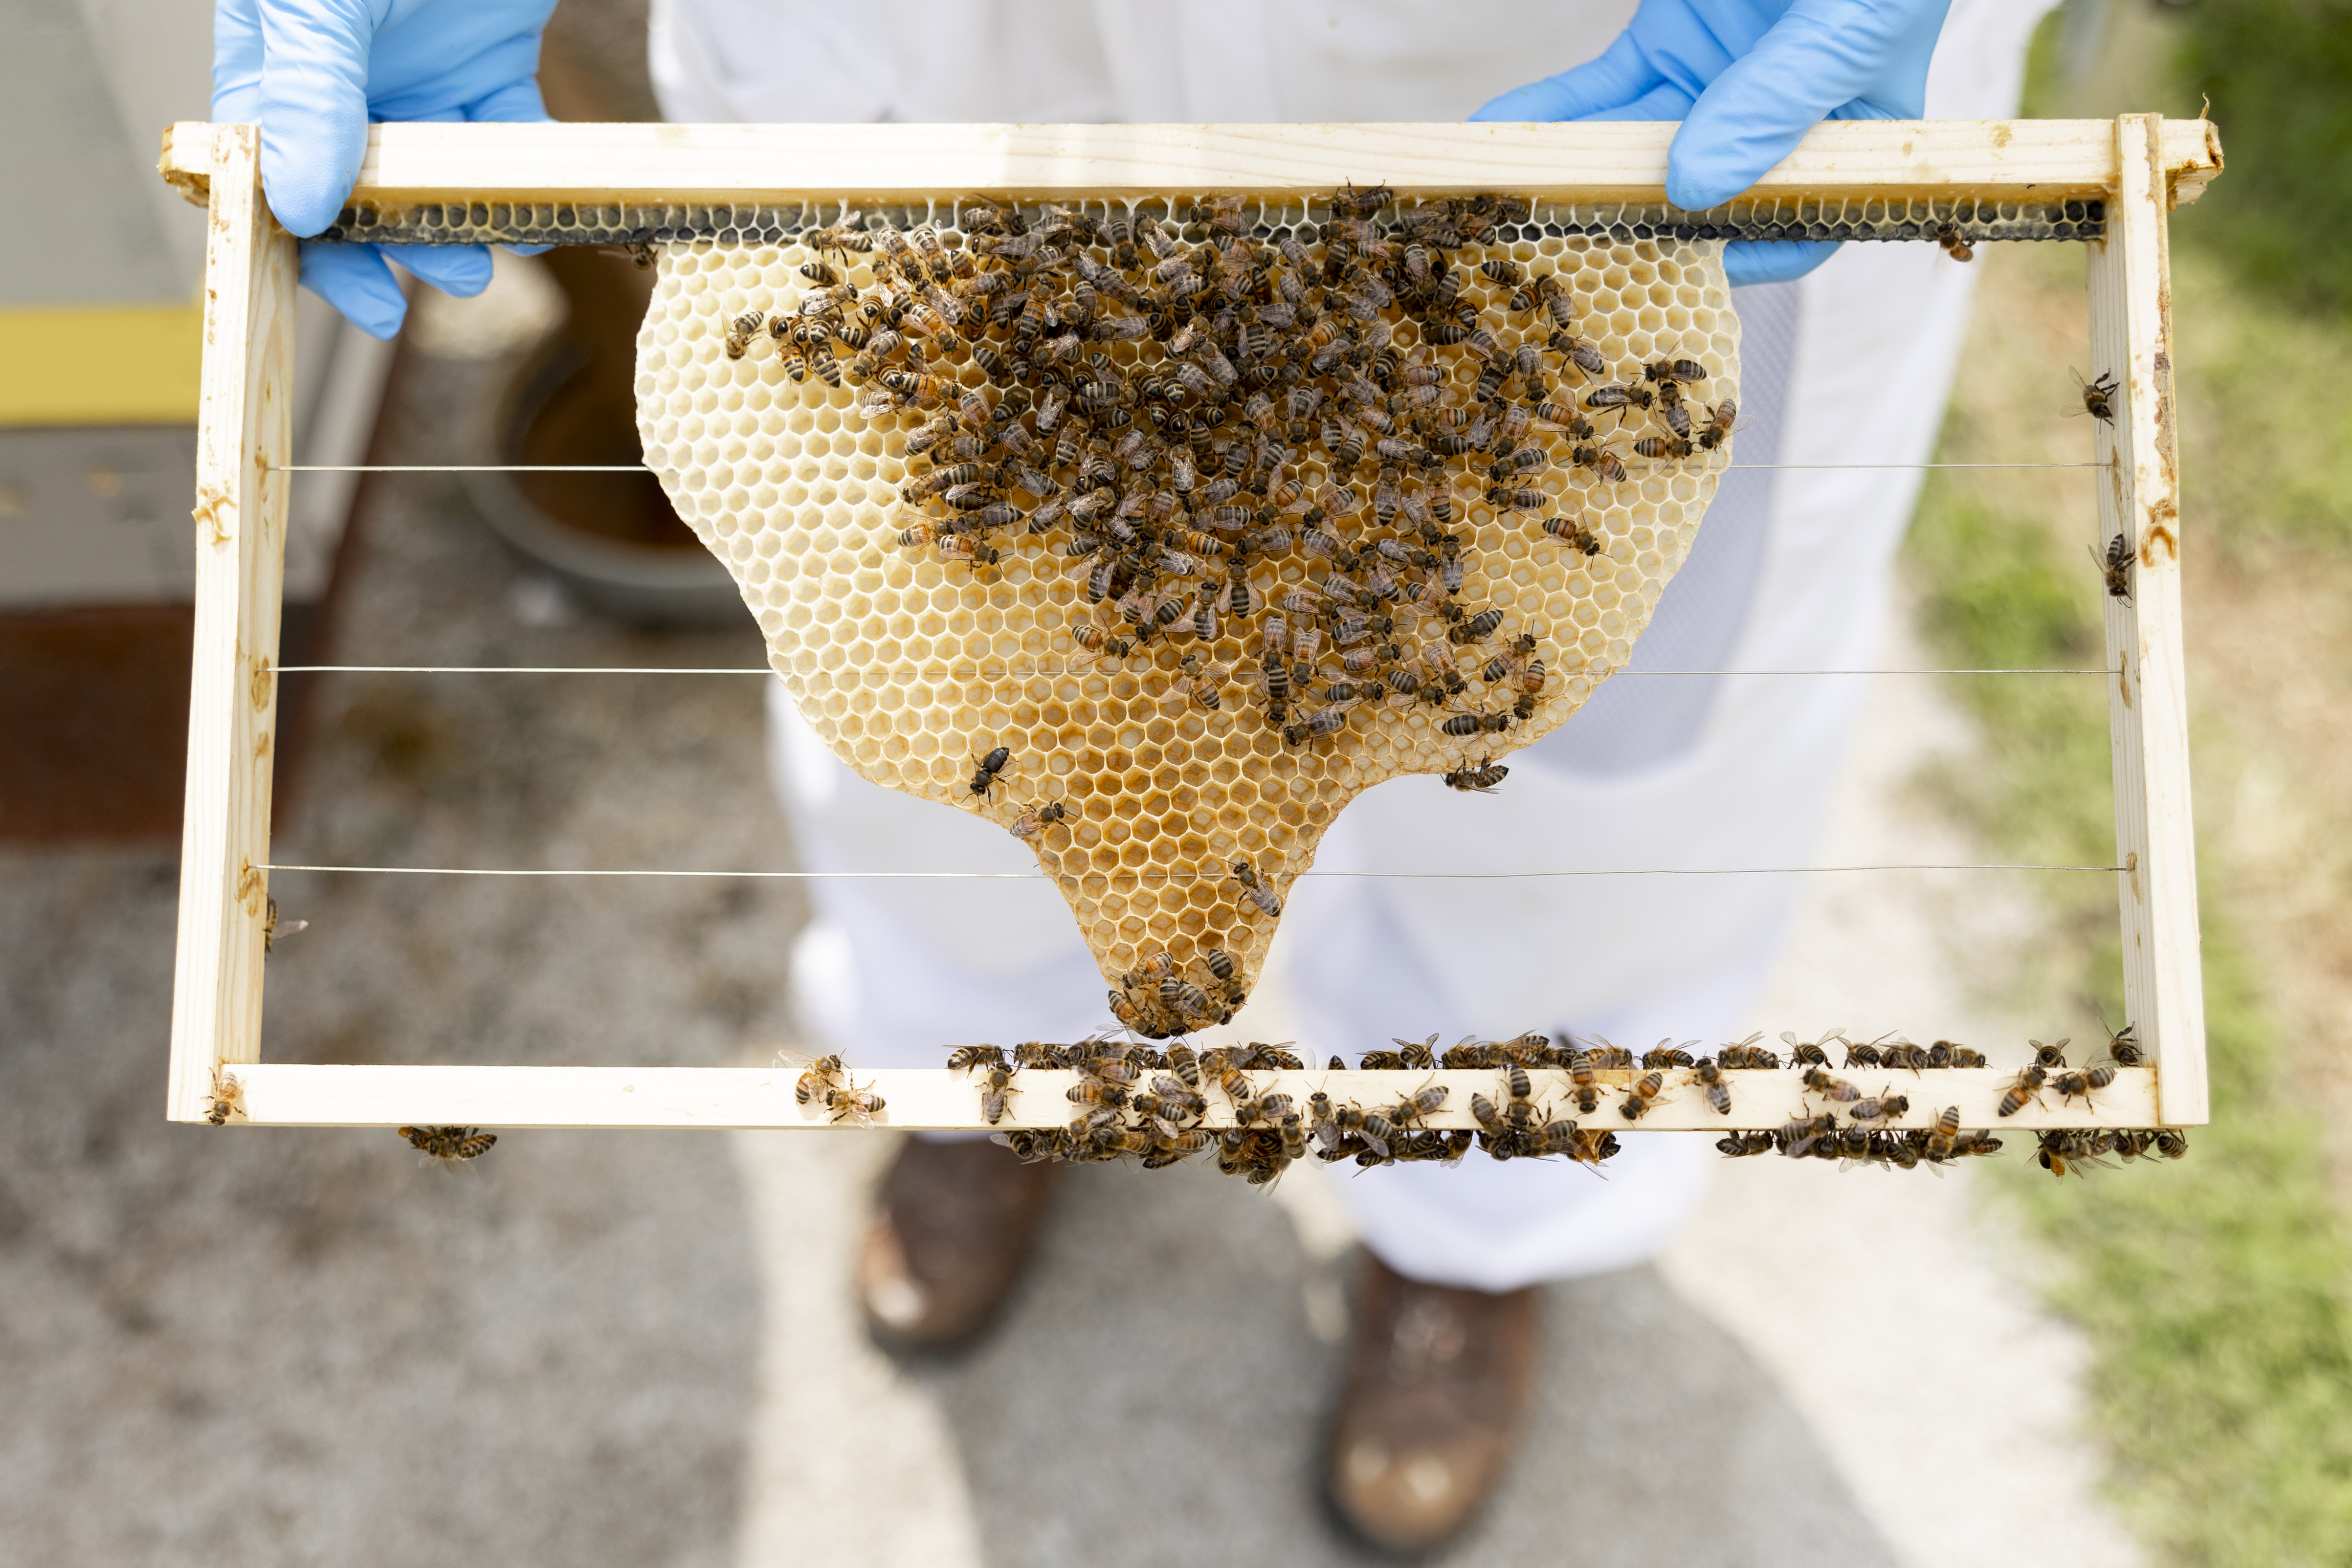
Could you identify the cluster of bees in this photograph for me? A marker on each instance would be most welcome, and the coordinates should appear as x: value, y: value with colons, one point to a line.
x: 452, y: 1146
x: 1140, y: 1102
x: 1224, y: 437
x: 1150, y: 1104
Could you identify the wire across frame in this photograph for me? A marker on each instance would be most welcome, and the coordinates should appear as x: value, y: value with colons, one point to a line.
x: 1043, y: 876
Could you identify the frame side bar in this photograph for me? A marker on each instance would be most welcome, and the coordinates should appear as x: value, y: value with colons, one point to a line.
x: 2131, y: 339
x: 244, y: 442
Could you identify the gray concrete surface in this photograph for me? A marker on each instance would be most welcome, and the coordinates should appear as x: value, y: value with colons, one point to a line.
x: 277, y: 1346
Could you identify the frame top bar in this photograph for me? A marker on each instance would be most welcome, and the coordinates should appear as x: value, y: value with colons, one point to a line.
x: 1590, y: 162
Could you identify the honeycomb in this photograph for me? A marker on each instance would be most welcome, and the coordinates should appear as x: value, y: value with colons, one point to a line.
x: 1209, y: 518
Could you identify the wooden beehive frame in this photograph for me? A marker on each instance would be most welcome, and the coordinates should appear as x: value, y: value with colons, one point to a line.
x: 2139, y: 166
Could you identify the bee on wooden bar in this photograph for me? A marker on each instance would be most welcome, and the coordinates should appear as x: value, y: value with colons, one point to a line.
x: 1819, y: 1082
x: 2081, y: 1085
x: 996, y: 1088
x: 2048, y: 1056
x: 2123, y: 1045
x: 450, y: 1146
x: 2098, y: 396
x: 1709, y: 1075
x: 227, y: 1097
x: 273, y: 928
x: 1880, y: 1107
x: 1804, y: 1052
x: 1747, y: 1055
x: 2115, y: 567
x: 1645, y: 1089
x: 2027, y: 1085
x: 820, y: 1076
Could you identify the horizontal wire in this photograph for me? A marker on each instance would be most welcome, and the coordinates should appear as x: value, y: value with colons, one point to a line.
x: 642, y: 468
x: 1178, y: 875
x: 762, y: 670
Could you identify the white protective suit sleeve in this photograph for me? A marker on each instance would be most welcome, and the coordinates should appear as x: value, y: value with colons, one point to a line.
x: 1790, y: 571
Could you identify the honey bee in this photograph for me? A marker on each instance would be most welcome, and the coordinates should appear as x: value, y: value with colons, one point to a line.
x: 227, y: 1098
x: 1710, y: 1078
x: 820, y: 1075
x: 1480, y: 777
x: 1375, y: 1130
x: 2049, y: 1055
x: 1674, y: 373
x: 1256, y: 891
x: 1944, y: 1135
x: 1805, y: 1053
x: 1095, y: 1092
x: 1880, y: 1107
x: 1637, y: 1102
x: 2115, y: 567
x: 964, y: 1059
x: 2082, y: 1086
x: 1030, y: 824
x: 450, y: 1146
x: 841, y: 238
x: 996, y: 1088
x: 1954, y: 244
x: 1720, y: 421
x: 1574, y: 533
x: 2123, y: 1045
x: 2026, y: 1086
x: 1606, y: 465
x: 1819, y: 1081
x: 1420, y: 1105
x: 1741, y: 1145
x: 2098, y: 396
x: 1746, y: 1054
x: 741, y: 330
x: 984, y: 778
x: 273, y: 928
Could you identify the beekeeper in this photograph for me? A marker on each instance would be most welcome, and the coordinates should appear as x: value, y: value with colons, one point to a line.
x: 1846, y: 358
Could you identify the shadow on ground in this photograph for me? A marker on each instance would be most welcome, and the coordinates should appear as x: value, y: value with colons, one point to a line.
x: 1158, y: 1397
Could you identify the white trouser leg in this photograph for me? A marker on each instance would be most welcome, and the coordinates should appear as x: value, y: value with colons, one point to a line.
x: 889, y: 972
x: 1490, y: 1225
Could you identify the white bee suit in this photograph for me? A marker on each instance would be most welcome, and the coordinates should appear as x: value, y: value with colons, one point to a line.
x: 1658, y: 772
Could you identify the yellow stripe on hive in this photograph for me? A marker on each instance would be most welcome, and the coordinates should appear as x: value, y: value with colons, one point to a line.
x: 100, y: 364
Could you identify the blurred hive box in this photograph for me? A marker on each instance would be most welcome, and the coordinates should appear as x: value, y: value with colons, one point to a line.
x: 102, y: 340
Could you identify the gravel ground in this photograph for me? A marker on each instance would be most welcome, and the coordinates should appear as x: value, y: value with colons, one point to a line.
x: 294, y: 1346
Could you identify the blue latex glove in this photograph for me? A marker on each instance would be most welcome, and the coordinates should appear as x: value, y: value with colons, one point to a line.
x: 313, y: 73
x: 1748, y: 78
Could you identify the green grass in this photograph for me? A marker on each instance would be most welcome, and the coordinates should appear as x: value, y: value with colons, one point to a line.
x: 2279, y: 73
x: 2213, y: 1291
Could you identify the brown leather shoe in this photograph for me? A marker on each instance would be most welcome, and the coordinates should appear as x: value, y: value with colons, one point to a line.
x: 1436, y: 1384
x: 951, y: 1227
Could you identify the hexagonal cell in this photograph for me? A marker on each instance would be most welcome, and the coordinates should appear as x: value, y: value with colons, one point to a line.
x: 912, y: 659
